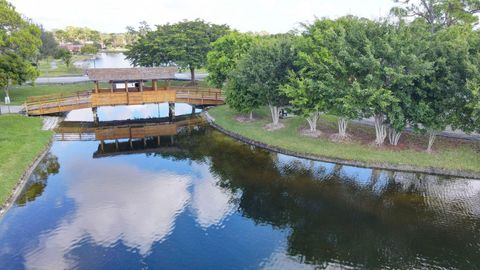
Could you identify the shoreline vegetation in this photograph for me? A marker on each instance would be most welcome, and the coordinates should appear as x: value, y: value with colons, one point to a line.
x: 455, y: 157
x: 22, y: 141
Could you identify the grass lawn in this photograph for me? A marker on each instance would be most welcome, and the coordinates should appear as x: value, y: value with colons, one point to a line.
x: 21, y: 140
x: 46, y: 70
x: 19, y: 94
x: 448, y: 153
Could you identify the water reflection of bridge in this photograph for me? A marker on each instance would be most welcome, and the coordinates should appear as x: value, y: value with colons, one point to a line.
x: 128, y: 136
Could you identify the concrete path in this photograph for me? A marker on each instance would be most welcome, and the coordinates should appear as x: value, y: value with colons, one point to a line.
x: 50, y: 122
x: 79, y: 79
x: 7, y: 109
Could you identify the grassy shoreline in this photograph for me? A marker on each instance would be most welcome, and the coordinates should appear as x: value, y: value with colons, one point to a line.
x: 448, y: 154
x: 19, y: 94
x: 21, y: 141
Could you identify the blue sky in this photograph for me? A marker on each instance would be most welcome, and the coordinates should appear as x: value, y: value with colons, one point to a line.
x: 273, y: 16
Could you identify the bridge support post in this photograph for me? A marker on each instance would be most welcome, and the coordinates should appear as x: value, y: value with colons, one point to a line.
x: 95, y: 115
x: 171, y: 111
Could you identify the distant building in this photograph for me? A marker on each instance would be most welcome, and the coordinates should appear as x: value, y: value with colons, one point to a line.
x: 75, y: 48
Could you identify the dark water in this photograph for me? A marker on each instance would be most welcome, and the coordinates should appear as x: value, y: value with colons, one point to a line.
x: 200, y: 200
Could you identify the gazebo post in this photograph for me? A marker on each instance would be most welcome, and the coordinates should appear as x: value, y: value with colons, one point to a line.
x: 95, y: 86
x: 126, y: 86
x: 141, y: 85
x: 154, y: 82
x: 111, y: 86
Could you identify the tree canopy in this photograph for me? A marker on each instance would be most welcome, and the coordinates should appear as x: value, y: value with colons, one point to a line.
x: 19, y: 45
x: 184, y: 44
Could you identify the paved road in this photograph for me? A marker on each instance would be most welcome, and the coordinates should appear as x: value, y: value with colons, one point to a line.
x: 78, y: 79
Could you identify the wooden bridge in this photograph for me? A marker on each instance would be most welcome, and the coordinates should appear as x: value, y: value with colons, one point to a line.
x: 127, y: 87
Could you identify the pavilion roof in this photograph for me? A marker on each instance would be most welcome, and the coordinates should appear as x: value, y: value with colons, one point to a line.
x: 123, y: 74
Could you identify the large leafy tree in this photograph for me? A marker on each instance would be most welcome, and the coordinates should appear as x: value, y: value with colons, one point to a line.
x: 185, y: 44
x: 49, y: 44
x: 262, y: 72
x: 225, y: 54
x: 447, y: 96
x: 19, y: 45
x: 439, y: 13
x: 327, y: 65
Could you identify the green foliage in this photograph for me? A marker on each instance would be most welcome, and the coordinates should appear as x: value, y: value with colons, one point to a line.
x: 19, y: 46
x: 225, y: 54
x: 305, y: 95
x: 77, y: 35
x: 49, y: 44
x: 447, y: 95
x: 89, y: 49
x: 65, y: 55
x: 439, y: 13
x: 185, y: 44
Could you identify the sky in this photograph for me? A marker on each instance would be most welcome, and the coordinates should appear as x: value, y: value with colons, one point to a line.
x: 273, y: 16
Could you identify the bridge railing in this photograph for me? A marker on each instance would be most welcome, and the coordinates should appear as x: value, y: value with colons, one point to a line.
x: 52, y: 100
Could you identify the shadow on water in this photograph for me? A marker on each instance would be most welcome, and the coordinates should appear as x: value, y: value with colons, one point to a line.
x: 331, y: 215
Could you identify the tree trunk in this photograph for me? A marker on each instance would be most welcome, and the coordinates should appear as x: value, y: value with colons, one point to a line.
x: 394, y: 136
x: 432, y: 134
x: 192, y: 75
x: 312, y: 120
x: 342, y: 127
x: 380, y: 129
x: 7, y: 95
x: 251, y: 115
x: 275, y: 111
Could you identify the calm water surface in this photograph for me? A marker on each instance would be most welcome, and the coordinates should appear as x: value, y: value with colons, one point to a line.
x: 200, y: 200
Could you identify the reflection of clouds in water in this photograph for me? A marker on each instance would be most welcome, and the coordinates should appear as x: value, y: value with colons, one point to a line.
x: 120, y: 202
x: 448, y: 195
x: 210, y: 202
x: 279, y: 260
x: 114, y: 203
x: 128, y: 112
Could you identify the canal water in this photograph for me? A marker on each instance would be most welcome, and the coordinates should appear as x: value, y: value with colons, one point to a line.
x: 197, y: 199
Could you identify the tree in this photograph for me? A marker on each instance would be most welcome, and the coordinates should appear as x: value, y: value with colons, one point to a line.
x: 327, y: 58
x: 89, y: 49
x: 49, y: 44
x: 439, y: 13
x: 184, y: 44
x: 225, y: 53
x: 447, y: 95
x: 19, y: 45
x: 65, y: 55
x: 262, y: 72
x: 306, y: 98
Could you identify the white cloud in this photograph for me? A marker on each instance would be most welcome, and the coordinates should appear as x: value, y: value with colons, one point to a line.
x: 273, y: 16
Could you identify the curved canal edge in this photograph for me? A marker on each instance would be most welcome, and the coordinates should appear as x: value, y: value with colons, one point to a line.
x: 375, y: 165
x: 24, y: 179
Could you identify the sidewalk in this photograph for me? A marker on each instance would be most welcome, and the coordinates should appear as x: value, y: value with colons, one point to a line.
x: 7, y: 109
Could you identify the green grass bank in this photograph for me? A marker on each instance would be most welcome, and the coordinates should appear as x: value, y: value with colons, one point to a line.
x: 19, y: 94
x: 21, y: 141
x: 449, y: 154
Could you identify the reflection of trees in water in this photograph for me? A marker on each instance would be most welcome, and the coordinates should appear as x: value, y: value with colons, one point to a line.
x: 48, y: 166
x: 334, y: 217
